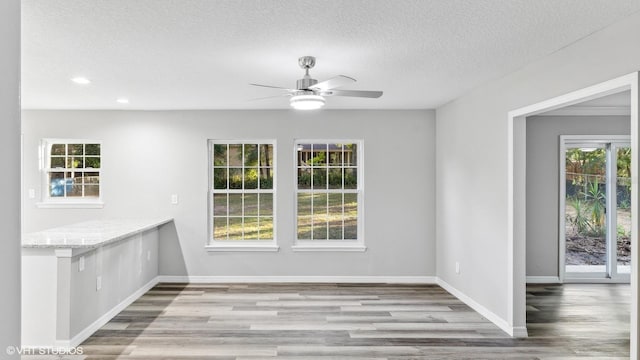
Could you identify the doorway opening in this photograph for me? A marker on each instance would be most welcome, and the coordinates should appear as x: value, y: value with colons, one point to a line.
x: 516, y: 196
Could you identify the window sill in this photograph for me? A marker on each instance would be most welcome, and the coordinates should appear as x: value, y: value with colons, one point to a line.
x: 70, y: 205
x: 327, y: 247
x: 245, y: 247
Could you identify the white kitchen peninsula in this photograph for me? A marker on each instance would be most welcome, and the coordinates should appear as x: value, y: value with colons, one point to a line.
x: 76, y: 278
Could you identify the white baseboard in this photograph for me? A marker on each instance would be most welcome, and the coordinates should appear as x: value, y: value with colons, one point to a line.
x: 100, y: 322
x: 301, y: 279
x: 543, y: 280
x: 515, y: 331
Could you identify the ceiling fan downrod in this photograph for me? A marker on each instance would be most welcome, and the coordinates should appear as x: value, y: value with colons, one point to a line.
x: 306, y: 62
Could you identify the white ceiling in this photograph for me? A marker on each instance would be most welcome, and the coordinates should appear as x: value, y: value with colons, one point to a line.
x: 201, y: 54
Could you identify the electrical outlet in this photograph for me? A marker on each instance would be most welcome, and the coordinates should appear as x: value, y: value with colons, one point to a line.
x: 81, y: 264
x: 457, y: 267
x: 98, y: 283
x: 32, y: 193
x: 174, y: 199
x: 148, y: 255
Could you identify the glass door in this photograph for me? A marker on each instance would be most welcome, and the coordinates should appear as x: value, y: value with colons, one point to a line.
x: 595, y: 209
x: 585, y: 202
x: 622, y: 258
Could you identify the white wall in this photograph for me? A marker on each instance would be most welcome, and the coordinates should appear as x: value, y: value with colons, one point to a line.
x: 147, y: 156
x: 471, y: 157
x: 124, y: 268
x: 10, y: 183
x: 543, y: 171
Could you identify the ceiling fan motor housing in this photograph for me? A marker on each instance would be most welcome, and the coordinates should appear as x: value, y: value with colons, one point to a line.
x: 305, y: 83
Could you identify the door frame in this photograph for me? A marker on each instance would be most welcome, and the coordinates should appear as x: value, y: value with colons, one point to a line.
x: 516, y: 197
x: 586, y: 140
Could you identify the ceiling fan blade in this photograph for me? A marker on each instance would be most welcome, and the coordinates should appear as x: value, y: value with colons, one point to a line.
x: 354, y: 93
x: 333, y: 83
x: 273, y: 87
x: 269, y: 97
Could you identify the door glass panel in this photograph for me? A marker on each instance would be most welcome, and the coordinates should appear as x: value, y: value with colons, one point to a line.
x: 585, y: 225
x: 623, y: 194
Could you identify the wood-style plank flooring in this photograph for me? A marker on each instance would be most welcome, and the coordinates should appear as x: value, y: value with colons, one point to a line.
x: 367, y: 321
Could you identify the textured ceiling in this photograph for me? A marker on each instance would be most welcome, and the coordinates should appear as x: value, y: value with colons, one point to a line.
x: 201, y: 54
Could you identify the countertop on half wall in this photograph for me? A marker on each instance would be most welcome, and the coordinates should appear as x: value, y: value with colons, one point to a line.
x: 90, y: 234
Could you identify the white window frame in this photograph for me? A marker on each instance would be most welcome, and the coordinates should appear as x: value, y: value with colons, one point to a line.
x: 47, y: 201
x: 358, y: 244
x: 240, y: 245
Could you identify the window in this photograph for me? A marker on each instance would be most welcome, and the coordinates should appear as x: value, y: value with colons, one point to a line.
x: 71, y: 173
x: 329, y: 195
x: 241, y: 195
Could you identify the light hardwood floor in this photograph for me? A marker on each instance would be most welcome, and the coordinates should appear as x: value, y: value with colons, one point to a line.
x: 335, y: 321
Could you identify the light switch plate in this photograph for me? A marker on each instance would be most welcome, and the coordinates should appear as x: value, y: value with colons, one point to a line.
x: 32, y: 193
x: 174, y: 199
x: 98, y: 283
x: 81, y: 264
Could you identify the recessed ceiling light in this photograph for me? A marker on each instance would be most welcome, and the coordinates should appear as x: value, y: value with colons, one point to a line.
x: 123, y: 101
x: 81, y: 80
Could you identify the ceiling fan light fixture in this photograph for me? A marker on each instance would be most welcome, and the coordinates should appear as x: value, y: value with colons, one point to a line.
x: 307, y: 102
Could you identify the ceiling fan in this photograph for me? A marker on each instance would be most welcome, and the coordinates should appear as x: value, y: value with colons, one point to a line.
x: 309, y: 93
